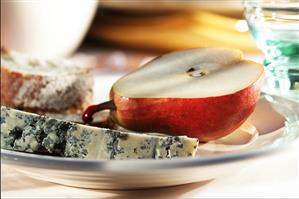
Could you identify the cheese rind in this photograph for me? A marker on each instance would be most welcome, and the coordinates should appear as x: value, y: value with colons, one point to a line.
x: 44, y: 85
x: 28, y: 132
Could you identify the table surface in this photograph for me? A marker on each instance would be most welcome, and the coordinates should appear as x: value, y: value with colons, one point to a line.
x: 275, y: 176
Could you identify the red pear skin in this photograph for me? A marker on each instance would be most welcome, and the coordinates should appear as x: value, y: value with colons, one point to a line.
x: 203, y: 118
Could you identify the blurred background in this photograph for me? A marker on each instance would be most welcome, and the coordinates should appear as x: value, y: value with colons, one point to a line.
x: 113, y: 35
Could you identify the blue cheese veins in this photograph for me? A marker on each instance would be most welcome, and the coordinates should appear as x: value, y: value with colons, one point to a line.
x: 32, y: 133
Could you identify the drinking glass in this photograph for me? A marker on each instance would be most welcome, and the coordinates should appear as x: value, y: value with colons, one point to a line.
x: 274, y: 25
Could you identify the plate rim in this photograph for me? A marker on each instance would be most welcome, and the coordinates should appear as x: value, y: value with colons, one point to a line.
x: 62, y: 163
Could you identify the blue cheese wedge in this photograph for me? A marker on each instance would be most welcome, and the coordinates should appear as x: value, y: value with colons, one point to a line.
x: 28, y: 132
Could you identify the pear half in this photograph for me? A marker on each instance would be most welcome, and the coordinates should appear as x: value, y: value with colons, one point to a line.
x: 204, y: 93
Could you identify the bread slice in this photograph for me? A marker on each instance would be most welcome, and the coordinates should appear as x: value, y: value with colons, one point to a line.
x: 32, y: 133
x: 44, y: 85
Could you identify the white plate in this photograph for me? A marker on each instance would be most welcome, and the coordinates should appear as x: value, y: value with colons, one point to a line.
x: 275, y: 118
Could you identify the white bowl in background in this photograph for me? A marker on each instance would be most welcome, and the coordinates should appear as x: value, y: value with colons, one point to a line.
x: 45, y: 28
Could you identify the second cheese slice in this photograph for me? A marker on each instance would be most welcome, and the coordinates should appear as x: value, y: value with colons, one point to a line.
x: 28, y: 132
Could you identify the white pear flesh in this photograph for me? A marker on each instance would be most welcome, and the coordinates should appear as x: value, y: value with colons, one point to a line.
x: 224, y: 71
